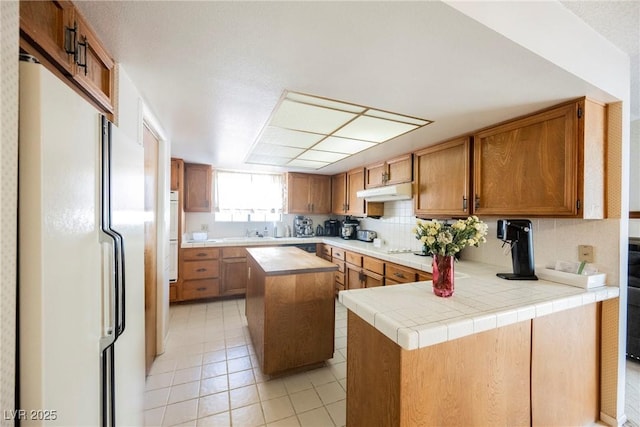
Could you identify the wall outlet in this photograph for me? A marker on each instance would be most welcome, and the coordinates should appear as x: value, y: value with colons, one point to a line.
x: 585, y: 253
x: 204, y: 227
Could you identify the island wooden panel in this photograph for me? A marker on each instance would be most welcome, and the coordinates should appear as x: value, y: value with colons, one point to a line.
x: 291, y: 316
x: 565, y: 368
x: 479, y: 380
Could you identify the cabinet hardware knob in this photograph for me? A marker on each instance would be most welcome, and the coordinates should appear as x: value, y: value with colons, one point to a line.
x: 70, y: 40
x: 477, y: 202
x: 464, y: 203
x: 201, y: 254
x: 399, y: 275
x: 200, y: 270
x: 201, y: 289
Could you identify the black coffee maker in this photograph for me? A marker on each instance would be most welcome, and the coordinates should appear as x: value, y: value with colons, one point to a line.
x: 332, y: 227
x: 518, y: 234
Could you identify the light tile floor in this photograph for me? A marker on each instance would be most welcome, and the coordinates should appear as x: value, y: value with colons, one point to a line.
x: 209, y: 376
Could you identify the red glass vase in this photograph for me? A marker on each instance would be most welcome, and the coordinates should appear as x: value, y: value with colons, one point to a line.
x: 442, y: 275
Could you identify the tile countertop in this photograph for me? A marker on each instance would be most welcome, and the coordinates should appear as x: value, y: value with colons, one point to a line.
x: 413, y: 317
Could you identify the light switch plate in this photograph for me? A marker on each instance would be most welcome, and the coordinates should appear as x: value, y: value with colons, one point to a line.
x: 585, y: 253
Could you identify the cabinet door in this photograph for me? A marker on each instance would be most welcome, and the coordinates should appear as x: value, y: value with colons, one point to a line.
x: 355, y: 183
x: 442, y: 179
x: 234, y: 276
x: 375, y: 175
x: 197, y: 188
x: 528, y: 166
x: 338, y: 194
x: 47, y: 24
x: 94, y: 68
x: 176, y: 174
x: 353, y: 277
x: 298, y: 193
x: 320, y: 194
x: 400, y: 170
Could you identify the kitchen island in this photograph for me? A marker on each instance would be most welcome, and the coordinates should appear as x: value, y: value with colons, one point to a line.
x: 290, y: 308
x: 496, y: 353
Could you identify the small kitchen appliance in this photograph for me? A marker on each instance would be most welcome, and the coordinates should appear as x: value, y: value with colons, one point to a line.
x: 366, y: 235
x: 302, y: 226
x: 332, y: 227
x: 349, y: 228
x: 518, y: 234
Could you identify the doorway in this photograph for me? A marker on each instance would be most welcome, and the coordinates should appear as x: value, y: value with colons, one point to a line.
x: 151, y: 144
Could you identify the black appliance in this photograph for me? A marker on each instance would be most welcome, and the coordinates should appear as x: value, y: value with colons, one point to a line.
x: 332, y: 227
x: 307, y: 247
x: 518, y: 234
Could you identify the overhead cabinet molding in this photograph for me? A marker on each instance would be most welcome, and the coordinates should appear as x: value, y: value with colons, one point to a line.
x: 550, y: 164
x: 58, y: 36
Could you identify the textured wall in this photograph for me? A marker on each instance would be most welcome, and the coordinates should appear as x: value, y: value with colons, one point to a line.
x: 8, y: 195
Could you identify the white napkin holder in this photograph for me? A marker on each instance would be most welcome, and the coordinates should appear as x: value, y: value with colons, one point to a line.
x: 584, y: 281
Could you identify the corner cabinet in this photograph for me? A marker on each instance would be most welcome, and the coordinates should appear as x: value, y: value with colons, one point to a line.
x: 308, y: 194
x: 547, y: 164
x: 197, y: 187
x: 442, y: 179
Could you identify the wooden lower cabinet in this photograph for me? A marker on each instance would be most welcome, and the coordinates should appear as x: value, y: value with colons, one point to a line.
x: 565, y: 378
x: 200, y: 274
x: 396, y: 274
x: 234, y: 271
x: 538, y: 372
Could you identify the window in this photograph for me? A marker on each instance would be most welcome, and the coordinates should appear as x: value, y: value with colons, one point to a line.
x: 242, y: 196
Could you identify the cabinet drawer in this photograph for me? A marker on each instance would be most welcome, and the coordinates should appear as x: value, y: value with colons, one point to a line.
x: 196, y: 254
x: 195, y: 289
x: 400, y: 274
x: 423, y: 276
x: 340, y: 278
x: 339, y: 263
x: 338, y: 253
x: 200, y: 270
x: 373, y: 264
x: 234, y: 252
x: 326, y: 250
x: 353, y: 258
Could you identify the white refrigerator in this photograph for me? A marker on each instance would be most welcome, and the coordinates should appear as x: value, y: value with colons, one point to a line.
x: 81, y: 261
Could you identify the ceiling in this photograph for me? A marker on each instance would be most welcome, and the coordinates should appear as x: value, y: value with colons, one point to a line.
x: 212, y: 72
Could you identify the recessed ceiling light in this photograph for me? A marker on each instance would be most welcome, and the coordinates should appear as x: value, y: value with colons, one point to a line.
x: 312, y: 132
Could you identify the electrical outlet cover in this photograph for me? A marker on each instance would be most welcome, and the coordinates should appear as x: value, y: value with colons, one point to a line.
x: 585, y: 253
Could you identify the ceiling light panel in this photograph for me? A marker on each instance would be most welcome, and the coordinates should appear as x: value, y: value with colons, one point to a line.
x: 322, y: 156
x: 343, y: 145
x: 311, y: 132
x: 374, y: 129
x: 290, y: 138
x: 309, y: 118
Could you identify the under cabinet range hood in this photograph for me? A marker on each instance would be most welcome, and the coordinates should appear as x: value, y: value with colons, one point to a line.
x: 386, y: 193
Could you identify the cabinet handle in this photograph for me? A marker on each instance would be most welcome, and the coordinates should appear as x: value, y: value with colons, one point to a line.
x: 201, y: 289
x: 70, y: 40
x: 399, y: 275
x: 464, y: 203
x: 201, y: 254
x: 477, y: 202
x: 81, y: 55
x: 201, y: 270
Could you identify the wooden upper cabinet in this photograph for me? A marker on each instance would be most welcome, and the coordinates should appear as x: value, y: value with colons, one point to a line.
x: 197, y: 187
x: 308, y: 194
x: 49, y: 25
x: 339, y: 194
x: 394, y: 171
x: 442, y: 179
x: 355, y: 206
x: 56, y: 30
x: 94, y: 67
x: 177, y: 166
x: 547, y: 164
